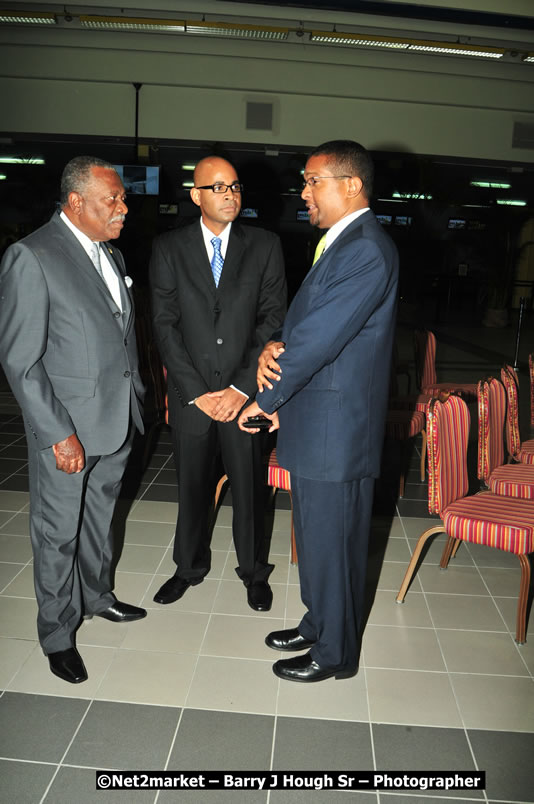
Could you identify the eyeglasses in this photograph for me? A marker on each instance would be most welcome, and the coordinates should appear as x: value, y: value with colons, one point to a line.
x: 222, y: 188
x: 313, y: 180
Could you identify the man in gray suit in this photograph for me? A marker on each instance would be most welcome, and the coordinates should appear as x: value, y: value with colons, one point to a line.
x: 67, y: 346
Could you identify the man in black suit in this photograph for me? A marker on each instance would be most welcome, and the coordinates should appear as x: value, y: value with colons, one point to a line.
x: 218, y: 292
x: 67, y: 346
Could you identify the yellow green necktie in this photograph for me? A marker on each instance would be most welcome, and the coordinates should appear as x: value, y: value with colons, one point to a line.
x: 319, y: 249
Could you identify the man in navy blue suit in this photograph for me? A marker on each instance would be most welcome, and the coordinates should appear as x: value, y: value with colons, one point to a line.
x: 324, y: 383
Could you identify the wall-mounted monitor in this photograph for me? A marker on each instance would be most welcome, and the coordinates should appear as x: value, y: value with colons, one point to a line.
x: 385, y: 220
x: 457, y: 223
x: 303, y: 215
x: 139, y: 179
x: 403, y: 220
x: 249, y: 212
x: 476, y: 226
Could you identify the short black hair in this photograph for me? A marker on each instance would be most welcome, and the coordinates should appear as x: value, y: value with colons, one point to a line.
x: 77, y: 173
x: 350, y: 159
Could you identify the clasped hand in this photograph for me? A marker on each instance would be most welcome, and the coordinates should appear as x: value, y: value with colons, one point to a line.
x: 268, y: 368
x: 221, y: 406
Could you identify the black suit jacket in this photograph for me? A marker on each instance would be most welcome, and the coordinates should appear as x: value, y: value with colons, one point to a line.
x: 210, y: 337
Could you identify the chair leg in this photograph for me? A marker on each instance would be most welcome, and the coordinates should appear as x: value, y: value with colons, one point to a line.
x: 219, y: 488
x: 423, y: 455
x: 521, y: 622
x: 294, y: 559
x: 415, y: 558
x: 448, y: 551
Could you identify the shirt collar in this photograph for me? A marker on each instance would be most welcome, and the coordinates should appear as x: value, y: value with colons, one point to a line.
x: 208, y: 237
x: 85, y: 241
x: 342, y: 224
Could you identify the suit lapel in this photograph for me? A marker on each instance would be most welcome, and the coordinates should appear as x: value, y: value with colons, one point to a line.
x: 117, y: 263
x: 347, y: 232
x: 197, y: 257
x: 233, y: 258
x: 77, y: 255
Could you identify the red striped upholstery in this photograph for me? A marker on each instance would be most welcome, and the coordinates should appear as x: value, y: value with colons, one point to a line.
x: 447, y: 432
x: 492, y: 520
x: 491, y: 414
x: 522, y: 452
x: 485, y: 518
x: 425, y: 367
x: 513, y: 481
x: 531, y: 373
x: 276, y: 476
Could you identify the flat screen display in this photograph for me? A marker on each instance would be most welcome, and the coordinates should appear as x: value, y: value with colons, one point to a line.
x: 385, y: 220
x: 139, y: 179
x: 303, y: 215
x: 403, y: 220
x: 457, y: 223
x: 249, y: 212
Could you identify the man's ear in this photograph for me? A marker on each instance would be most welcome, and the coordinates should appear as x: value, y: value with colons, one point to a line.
x: 195, y: 196
x: 355, y: 186
x: 75, y: 202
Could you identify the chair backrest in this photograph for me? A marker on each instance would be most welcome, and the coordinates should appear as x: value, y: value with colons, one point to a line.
x: 448, y: 433
x: 491, y: 413
x: 425, y: 358
x: 531, y: 372
x: 510, y: 382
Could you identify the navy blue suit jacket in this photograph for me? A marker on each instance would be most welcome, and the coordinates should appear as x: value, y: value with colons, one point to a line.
x: 339, y: 330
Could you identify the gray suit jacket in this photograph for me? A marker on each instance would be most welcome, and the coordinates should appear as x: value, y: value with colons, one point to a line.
x: 69, y: 354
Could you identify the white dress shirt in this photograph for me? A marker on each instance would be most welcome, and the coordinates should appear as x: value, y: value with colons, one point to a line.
x: 110, y: 277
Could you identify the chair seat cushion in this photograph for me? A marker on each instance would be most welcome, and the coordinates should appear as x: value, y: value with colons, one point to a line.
x: 513, y: 481
x: 276, y: 476
x: 485, y: 518
x: 403, y: 424
x: 526, y: 453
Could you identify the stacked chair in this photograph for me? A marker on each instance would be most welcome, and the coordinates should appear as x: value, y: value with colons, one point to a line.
x: 522, y: 452
x: 507, y: 480
x: 484, y: 518
x: 425, y: 369
x: 279, y: 478
x: 531, y: 373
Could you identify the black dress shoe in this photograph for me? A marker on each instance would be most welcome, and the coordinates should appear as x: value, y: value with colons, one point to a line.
x: 172, y: 590
x: 122, y: 613
x: 68, y: 665
x: 290, y: 639
x: 260, y: 596
x: 304, y: 668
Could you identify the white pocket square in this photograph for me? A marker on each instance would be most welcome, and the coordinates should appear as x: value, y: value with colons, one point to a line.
x: 128, y: 281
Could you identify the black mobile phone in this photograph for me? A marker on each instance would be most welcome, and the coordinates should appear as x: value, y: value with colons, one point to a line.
x: 260, y: 422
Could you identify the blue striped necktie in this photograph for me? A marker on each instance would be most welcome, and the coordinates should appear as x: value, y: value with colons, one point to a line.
x: 217, y: 261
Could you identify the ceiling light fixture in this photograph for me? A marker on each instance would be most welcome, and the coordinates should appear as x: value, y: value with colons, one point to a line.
x: 132, y: 24
x: 21, y: 160
x: 510, y: 202
x: 405, y: 43
x: 29, y: 17
x: 242, y: 31
x: 492, y: 185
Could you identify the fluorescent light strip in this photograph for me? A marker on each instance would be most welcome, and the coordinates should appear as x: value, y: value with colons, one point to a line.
x: 19, y: 160
x: 509, y: 202
x: 447, y: 48
x: 243, y: 31
x: 30, y: 17
x: 188, y: 184
x: 132, y: 24
x: 492, y: 185
x: 529, y: 57
x: 2, y: 176
x: 188, y: 167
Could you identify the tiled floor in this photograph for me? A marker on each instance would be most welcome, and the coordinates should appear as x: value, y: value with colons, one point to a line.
x: 442, y: 686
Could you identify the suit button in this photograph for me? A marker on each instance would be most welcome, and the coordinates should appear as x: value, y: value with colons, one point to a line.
x: 220, y: 341
x: 126, y: 373
x: 126, y: 343
x: 117, y: 315
x: 217, y: 373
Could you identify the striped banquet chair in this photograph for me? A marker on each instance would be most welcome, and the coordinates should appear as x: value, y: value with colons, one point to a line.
x: 279, y: 478
x: 402, y: 425
x: 484, y: 518
x: 508, y: 480
x: 425, y: 369
x: 517, y: 451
